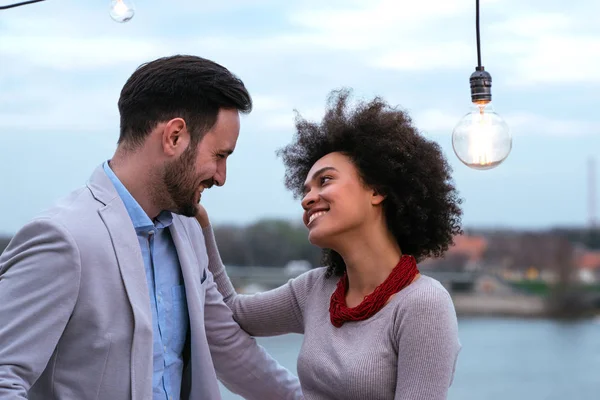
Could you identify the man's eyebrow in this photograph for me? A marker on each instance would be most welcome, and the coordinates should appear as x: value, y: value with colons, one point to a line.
x: 317, y: 173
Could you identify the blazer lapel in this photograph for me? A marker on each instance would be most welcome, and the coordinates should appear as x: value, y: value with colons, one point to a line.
x: 197, y: 383
x: 131, y: 266
x: 190, y: 269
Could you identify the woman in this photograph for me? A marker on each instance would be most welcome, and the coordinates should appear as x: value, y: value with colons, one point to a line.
x: 377, y: 196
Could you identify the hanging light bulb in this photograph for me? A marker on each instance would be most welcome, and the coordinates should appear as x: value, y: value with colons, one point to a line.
x: 122, y: 10
x: 481, y: 139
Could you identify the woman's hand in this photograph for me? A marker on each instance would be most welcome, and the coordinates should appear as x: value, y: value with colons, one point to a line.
x: 202, y: 216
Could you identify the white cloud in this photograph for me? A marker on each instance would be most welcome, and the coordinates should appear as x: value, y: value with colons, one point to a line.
x: 284, y: 119
x: 265, y: 103
x: 368, y: 20
x: 68, y: 53
x: 529, y: 48
x: 426, y: 57
x: 532, y: 47
x: 533, y: 25
x: 558, y: 59
x: 547, y: 48
x: 389, y: 32
x: 47, y: 106
x: 434, y: 121
x: 527, y: 123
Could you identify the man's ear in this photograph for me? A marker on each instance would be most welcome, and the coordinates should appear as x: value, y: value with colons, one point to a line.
x: 175, y: 137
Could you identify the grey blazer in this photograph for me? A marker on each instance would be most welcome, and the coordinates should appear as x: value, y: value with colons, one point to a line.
x: 75, y: 320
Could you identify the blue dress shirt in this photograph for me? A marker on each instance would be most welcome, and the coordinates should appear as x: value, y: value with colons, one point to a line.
x: 170, y: 319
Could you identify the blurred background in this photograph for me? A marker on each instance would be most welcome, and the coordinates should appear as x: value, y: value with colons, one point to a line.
x: 525, y: 276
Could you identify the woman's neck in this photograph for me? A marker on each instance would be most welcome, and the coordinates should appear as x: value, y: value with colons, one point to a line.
x: 370, y: 256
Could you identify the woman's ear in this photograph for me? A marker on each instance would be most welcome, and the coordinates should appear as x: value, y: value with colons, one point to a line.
x: 377, y: 198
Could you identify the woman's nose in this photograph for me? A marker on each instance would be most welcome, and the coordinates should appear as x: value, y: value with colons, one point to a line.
x: 309, y: 199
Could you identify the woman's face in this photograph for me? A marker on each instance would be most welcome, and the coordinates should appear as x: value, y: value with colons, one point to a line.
x: 336, y: 201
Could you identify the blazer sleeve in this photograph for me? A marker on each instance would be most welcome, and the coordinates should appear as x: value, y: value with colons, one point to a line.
x: 39, y: 283
x: 274, y: 312
x: 241, y: 364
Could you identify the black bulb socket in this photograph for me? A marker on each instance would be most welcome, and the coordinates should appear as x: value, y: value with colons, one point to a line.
x: 481, y: 86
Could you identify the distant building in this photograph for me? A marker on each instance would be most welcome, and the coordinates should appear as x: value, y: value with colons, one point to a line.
x: 587, y: 263
x: 473, y: 247
x: 467, y: 253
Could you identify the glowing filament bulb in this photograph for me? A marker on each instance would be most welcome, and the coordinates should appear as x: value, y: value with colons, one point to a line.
x: 481, y: 140
x: 480, y: 147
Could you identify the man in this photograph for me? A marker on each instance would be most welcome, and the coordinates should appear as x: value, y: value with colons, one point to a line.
x: 107, y: 295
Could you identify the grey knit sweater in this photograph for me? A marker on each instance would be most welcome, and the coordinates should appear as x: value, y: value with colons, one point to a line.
x: 407, y: 351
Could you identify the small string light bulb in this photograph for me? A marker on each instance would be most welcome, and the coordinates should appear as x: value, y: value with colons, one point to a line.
x: 121, y: 10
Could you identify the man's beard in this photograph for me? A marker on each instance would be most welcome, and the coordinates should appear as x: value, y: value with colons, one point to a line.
x: 180, y: 183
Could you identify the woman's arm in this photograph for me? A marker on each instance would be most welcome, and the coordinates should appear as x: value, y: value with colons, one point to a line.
x: 428, y: 345
x: 270, y: 313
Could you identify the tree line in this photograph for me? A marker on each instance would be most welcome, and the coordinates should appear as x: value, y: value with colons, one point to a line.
x: 265, y: 243
x: 275, y: 242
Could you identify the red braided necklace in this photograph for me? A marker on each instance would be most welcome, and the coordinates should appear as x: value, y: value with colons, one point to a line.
x: 400, y: 277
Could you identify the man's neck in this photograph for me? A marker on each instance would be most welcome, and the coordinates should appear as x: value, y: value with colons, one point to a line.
x: 136, y: 175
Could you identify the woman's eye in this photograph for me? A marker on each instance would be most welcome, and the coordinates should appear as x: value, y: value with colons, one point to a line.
x: 324, y: 179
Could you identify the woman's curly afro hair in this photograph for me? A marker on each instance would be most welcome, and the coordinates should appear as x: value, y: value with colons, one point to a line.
x: 421, y: 205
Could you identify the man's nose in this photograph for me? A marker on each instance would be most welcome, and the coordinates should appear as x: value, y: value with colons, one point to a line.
x: 220, y: 176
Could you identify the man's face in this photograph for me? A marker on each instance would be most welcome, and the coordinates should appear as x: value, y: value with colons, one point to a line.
x: 203, y: 165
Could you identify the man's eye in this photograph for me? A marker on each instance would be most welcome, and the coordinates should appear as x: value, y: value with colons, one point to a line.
x: 221, y: 155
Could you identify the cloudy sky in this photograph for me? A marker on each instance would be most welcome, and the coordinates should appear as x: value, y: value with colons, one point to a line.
x: 63, y: 63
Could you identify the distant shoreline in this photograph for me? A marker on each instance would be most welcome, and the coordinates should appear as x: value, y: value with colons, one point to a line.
x: 502, y: 306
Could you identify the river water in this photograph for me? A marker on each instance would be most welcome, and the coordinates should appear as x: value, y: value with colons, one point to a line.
x: 506, y: 359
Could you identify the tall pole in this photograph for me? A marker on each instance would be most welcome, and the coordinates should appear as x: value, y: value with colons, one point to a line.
x: 592, y: 192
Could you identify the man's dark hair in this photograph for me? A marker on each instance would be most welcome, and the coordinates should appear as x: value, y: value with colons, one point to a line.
x: 180, y: 86
x: 421, y: 206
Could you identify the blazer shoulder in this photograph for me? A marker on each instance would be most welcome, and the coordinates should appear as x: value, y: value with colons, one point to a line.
x: 74, y: 215
x: 73, y: 206
x: 46, y: 241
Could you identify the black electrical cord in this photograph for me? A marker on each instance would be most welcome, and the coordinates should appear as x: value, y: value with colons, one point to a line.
x: 19, y: 4
x: 481, y: 80
x: 478, y: 37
